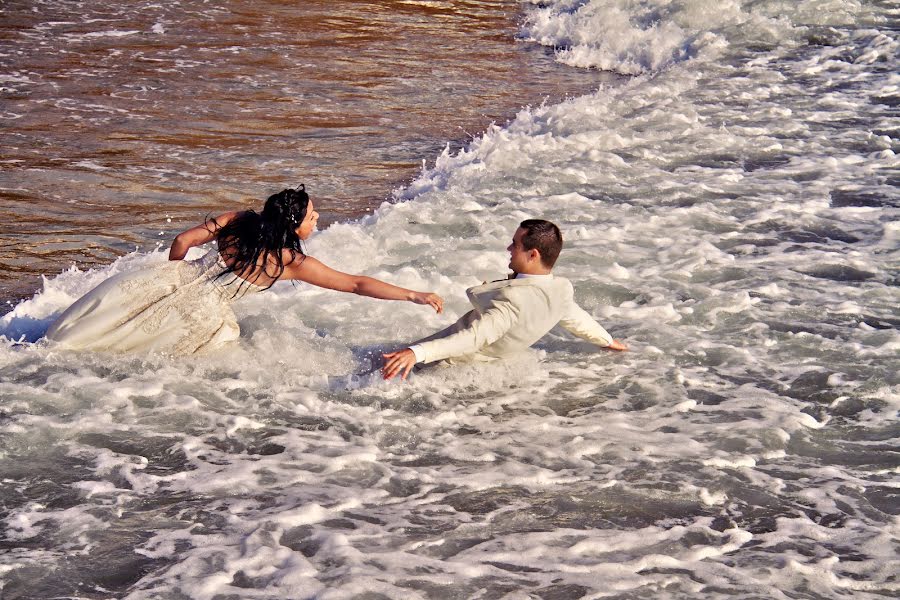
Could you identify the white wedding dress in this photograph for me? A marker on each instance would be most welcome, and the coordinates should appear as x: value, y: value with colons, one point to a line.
x: 177, y: 307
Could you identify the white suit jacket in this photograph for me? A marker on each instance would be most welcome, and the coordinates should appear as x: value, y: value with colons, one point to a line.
x: 509, y: 316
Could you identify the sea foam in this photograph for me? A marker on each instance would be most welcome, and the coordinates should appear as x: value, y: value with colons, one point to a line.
x: 729, y: 212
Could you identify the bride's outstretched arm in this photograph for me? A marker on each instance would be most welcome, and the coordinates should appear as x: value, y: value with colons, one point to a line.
x: 315, y: 272
x: 199, y: 235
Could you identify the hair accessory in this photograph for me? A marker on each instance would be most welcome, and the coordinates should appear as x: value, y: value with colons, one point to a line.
x: 297, y: 202
x: 294, y: 214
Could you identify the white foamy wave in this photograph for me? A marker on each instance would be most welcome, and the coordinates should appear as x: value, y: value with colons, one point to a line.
x: 632, y: 37
x: 623, y: 36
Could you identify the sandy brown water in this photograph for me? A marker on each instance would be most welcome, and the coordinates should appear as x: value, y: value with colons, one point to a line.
x: 123, y: 122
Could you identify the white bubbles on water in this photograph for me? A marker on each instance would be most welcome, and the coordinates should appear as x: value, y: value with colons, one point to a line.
x: 734, y: 220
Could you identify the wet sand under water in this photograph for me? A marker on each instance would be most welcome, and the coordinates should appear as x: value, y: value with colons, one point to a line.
x: 122, y: 125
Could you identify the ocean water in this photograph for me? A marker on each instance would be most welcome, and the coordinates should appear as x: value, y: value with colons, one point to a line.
x: 123, y: 121
x: 730, y: 208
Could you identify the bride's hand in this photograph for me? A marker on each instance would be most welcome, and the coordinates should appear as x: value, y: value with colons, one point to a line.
x: 432, y: 300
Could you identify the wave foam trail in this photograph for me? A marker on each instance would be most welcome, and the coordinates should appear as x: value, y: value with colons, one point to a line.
x: 631, y: 36
x: 731, y: 213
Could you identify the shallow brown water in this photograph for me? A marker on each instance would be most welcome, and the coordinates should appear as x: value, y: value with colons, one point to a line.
x: 124, y: 122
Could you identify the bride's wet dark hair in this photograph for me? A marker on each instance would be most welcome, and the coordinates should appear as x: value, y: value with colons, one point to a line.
x: 250, y: 237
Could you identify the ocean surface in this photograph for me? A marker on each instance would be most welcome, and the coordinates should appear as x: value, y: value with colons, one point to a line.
x: 728, y: 191
x: 122, y: 122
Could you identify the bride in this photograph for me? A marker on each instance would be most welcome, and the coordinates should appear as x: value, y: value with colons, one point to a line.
x: 183, y: 307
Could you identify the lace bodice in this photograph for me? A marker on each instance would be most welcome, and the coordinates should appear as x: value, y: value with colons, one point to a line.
x: 211, y: 266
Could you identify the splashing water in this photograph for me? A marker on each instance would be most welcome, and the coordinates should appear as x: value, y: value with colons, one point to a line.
x: 731, y: 212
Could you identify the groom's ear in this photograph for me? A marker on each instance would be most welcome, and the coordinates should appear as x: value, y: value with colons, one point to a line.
x: 534, y: 254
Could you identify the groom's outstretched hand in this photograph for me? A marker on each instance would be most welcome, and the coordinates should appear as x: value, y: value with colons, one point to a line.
x: 398, y: 362
x: 617, y: 345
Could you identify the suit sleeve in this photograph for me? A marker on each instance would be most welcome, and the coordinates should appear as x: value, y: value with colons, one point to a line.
x: 578, y: 322
x: 484, y: 331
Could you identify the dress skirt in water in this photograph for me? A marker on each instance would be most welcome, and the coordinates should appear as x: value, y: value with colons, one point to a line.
x: 178, y: 307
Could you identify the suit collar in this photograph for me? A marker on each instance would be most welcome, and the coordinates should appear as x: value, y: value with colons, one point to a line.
x: 502, y: 283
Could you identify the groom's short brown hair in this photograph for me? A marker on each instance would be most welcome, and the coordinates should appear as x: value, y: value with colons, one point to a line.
x: 544, y: 237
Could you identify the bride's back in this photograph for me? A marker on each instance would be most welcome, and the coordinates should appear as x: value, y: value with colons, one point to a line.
x: 259, y: 247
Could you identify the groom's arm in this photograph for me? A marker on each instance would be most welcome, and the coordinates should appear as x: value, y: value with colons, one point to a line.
x: 484, y: 331
x: 578, y: 322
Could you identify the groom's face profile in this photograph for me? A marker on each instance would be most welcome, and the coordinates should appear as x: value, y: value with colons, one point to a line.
x: 518, y: 255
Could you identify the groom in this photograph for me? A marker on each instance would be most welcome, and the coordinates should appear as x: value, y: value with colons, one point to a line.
x: 511, y: 314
